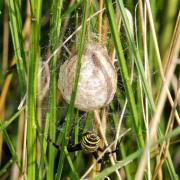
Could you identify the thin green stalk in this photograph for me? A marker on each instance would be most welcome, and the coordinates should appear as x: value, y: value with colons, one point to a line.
x: 43, y: 141
x: 88, y: 122
x: 16, y: 32
x: 10, y: 70
x: 32, y: 87
x: 5, y: 168
x: 76, y: 131
x: 170, y: 166
x: 127, y: 167
x: 74, y: 89
x: 168, y: 161
x: 11, y: 147
x: 6, y: 123
x: 74, y: 172
x: 173, y: 133
x: 124, y: 72
x: 55, y: 24
x: 71, y: 8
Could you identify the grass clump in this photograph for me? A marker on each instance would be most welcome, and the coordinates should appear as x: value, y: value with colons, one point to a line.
x: 141, y: 123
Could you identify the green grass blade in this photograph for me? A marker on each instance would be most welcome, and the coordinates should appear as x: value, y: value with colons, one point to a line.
x: 124, y: 71
x: 32, y: 88
x: 11, y: 147
x: 74, y: 88
x: 170, y: 167
x: 71, y: 9
x: 5, y: 168
x: 75, y: 175
x: 55, y: 24
x: 43, y: 141
x: 16, y: 33
x: 126, y: 168
x: 6, y: 123
x: 136, y: 55
x: 173, y: 133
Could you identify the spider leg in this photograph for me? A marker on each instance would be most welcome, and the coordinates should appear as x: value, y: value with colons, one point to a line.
x: 95, y: 154
x: 54, y: 144
x: 74, y: 147
x: 100, y: 149
x: 107, y: 153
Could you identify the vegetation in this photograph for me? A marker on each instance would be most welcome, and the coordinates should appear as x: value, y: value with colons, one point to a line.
x: 141, y: 124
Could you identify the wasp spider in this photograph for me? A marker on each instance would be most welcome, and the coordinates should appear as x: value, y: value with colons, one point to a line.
x: 89, y: 143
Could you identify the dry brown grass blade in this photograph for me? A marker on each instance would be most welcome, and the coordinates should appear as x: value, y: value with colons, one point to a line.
x: 100, y: 21
x: 166, y: 144
x: 155, y: 41
x: 173, y: 55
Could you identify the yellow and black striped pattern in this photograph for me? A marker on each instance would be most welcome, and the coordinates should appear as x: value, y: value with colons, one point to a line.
x: 90, y: 142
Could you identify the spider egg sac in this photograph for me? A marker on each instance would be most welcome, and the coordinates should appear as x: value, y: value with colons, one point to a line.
x: 97, y: 80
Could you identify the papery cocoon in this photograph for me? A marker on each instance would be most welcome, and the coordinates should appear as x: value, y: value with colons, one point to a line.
x: 97, y: 80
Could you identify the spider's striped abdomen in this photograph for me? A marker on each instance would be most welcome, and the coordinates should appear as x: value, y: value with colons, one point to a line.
x: 90, y: 142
